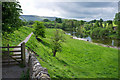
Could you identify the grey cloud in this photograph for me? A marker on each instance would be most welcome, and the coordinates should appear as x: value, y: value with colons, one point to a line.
x: 81, y: 9
x: 85, y: 9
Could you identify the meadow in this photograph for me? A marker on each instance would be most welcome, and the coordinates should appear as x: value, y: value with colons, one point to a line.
x: 77, y: 59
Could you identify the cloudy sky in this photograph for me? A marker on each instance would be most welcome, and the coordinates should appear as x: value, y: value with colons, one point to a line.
x: 71, y: 9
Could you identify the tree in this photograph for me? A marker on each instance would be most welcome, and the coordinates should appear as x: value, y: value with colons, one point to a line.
x: 109, y: 22
x: 93, y: 21
x: 117, y: 22
x: 10, y: 16
x: 101, y: 20
x: 59, y: 20
x: 117, y: 18
x: 46, y: 20
x: 72, y: 26
x: 95, y: 32
x: 31, y: 22
x: 96, y: 24
x: 57, y: 39
x: 81, y: 22
x: 103, y: 33
x: 105, y: 24
x: 39, y: 29
x: 63, y: 25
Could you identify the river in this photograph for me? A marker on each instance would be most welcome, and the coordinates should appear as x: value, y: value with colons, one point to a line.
x: 109, y: 42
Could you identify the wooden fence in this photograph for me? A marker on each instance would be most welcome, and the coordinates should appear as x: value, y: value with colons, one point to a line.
x: 36, y: 71
x: 13, y: 55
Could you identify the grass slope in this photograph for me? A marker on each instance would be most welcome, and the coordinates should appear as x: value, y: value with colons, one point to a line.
x: 78, y: 59
x: 16, y: 37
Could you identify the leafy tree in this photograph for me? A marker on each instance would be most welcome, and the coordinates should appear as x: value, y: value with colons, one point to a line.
x: 58, y: 25
x: 10, y: 16
x: 93, y: 21
x: 105, y: 24
x: 95, y: 32
x: 101, y: 20
x: 59, y: 20
x: 81, y: 22
x: 109, y: 22
x: 31, y: 22
x: 46, y: 20
x: 57, y: 40
x: 63, y: 25
x: 96, y: 24
x: 103, y: 33
x: 72, y: 26
x: 39, y: 29
x: 117, y: 18
x: 117, y: 22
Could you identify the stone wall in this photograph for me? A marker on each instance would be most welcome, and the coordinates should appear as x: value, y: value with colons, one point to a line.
x: 36, y: 71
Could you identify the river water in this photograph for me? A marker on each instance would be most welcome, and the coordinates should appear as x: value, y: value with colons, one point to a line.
x: 110, y: 42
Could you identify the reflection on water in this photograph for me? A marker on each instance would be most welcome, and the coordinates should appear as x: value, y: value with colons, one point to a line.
x: 110, y: 42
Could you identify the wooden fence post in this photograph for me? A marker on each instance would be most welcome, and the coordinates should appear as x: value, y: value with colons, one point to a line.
x: 23, y: 53
x: 8, y: 55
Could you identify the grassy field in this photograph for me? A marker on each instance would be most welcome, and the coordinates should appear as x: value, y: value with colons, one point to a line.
x: 78, y: 59
x: 16, y: 37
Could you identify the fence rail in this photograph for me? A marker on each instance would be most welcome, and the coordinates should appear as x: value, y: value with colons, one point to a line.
x: 12, y: 47
x: 13, y: 56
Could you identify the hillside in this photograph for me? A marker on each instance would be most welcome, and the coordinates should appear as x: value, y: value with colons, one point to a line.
x: 36, y: 18
x: 78, y: 59
x: 16, y: 37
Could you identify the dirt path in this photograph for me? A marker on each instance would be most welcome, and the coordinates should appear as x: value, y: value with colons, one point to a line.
x: 14, y: 71
x: 97, y: 43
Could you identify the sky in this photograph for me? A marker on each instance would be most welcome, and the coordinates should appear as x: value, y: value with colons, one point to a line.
x: 71, y: 9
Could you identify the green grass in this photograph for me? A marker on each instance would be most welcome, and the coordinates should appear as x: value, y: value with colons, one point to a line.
x: 107, y: 24
x: 78, y: 59
x: 16, y: 37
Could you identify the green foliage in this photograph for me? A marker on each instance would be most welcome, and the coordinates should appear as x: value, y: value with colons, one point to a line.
x: 104, y: 33
x: 96, y: 24
x: 46, y: 20
x: 78, y: 59
x: 16, y: 37
x: 57, y: 40
x: 10, y: 16
x: 58, y: 25
x: 101, y: 20
x: 81, y: 22
x: 25, y: 75
x: 82, y: 28
x: 93, y: 21
x: 31, y: 22
x: 117, y: 18
x: 109, y: 22
x: 105, y: 24
x: 59, y: 20
x: 100, y: 33
x: 95, y: 32
x: 39, y: 29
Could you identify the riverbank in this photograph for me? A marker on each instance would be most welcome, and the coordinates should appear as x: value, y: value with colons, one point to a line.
x: 97, y: 43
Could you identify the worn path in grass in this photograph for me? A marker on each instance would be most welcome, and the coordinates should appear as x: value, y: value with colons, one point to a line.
x: 14, y: 71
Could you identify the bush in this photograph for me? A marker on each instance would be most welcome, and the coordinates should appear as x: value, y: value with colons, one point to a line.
x: 95, y: 32
x: 39, y: 29
x: 104, y: 33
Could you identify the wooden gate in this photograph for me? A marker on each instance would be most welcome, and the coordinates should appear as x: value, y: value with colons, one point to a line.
x: 14, y: 55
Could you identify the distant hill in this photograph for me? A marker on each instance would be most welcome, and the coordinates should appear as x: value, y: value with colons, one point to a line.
x: 36, y: 18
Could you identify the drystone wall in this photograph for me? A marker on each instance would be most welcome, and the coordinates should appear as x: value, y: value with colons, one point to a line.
x: 36, y: 71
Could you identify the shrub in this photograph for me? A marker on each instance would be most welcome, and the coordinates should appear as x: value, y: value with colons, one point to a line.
x: 39, y: 29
